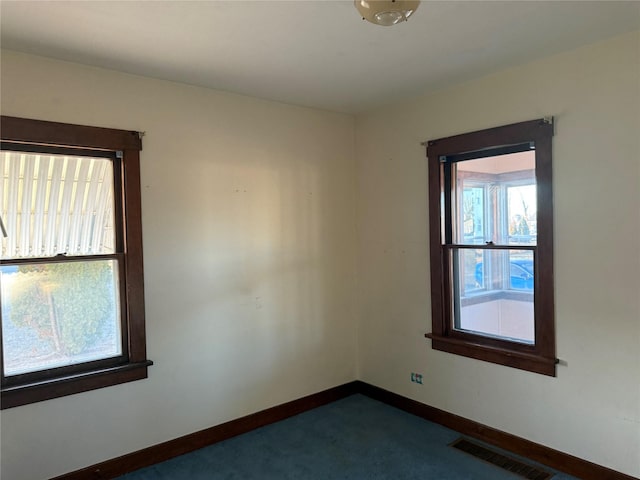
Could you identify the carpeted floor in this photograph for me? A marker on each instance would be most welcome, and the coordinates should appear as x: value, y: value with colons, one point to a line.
x: 353, y: 438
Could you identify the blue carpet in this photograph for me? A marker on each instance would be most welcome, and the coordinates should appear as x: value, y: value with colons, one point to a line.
x: 353, y: 438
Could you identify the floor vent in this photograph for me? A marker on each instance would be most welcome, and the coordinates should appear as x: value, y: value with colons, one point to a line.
x: 507, y: 463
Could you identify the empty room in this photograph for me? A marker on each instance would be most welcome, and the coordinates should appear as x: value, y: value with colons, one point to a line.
x: 320, y: 240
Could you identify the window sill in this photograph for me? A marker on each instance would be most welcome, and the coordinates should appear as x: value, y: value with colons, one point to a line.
x: 501, y: 356
x: 15, y: 396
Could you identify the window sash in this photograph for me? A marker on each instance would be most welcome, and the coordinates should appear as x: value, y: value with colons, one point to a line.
x: 496, y: 265
x: 78, y: 367
x: 58, y: 202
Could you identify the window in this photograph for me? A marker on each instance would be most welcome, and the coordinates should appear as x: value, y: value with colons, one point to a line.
x: 71, y: 279
x: 491, y: 243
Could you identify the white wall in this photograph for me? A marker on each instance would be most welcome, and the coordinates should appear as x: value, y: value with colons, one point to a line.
x: 249, y: 247
x: 592, y: 408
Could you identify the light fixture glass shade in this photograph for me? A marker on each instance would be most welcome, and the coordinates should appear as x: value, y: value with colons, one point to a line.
x: 386, y: 12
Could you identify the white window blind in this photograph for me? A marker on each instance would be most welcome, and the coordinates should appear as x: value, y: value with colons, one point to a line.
x: 53, y: 204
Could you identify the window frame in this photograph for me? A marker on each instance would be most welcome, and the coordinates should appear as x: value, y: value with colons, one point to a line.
x: 124, y: 147
x: 541, y: 356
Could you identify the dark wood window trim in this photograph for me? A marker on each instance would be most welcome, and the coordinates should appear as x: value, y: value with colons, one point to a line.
x: 539, y: 357
x: 125, y: 146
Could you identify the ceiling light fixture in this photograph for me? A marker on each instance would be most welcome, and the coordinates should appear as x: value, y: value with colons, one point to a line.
x: 386, y: 12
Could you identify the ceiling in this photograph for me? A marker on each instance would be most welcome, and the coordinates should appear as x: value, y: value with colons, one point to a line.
x: 310, y: 53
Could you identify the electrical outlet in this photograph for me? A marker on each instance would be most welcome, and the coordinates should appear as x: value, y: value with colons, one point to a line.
x: 416, y: 378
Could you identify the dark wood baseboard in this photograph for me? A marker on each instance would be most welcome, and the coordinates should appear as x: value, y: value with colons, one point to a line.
x: 553, y: 458
x: 164, y: 451
x: 179, y: 446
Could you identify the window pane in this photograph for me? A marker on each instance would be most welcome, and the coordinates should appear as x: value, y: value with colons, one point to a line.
x: 493, y: 293
x: 495, y: 200
x: 58, y: 314
x: 52, y: 204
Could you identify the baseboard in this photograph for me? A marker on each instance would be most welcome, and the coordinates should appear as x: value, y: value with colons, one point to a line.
x: 164, y: 451
x: 179, y: 446
x: 553, y: 458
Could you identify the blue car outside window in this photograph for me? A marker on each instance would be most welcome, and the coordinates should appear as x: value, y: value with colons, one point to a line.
x: 520, y: 275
